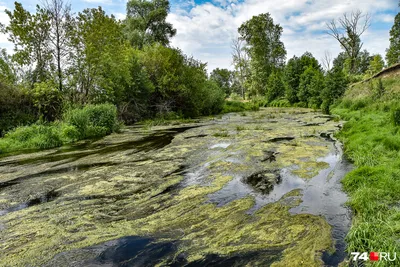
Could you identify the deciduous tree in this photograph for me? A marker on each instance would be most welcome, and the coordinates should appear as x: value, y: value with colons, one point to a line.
x: 266, y: 50
x: 146, y: 22
x: 393, y: 52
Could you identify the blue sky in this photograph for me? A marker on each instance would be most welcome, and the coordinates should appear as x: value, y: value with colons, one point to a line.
x: 206, y: 28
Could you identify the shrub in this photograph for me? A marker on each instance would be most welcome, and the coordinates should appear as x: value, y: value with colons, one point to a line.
x: 40, y: 136
x: 93, y: 120
x: 88, y: 122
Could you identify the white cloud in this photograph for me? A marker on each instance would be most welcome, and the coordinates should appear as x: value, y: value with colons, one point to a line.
x: 205, y: 30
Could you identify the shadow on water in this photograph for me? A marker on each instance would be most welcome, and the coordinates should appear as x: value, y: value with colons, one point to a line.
x: 49, y: 196
x: 145, y: 251
x: 151, y: 142
x: 75, y: 168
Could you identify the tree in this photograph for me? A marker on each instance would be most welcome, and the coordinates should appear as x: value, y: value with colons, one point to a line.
x: 335, y: 86
x: 223, y: 78
x: 327, y: 60
x: 241, y: 65
x: 146, y: 22
x: 363, y: 62
x: 266, y: 50
x: 376, y: 65
x: 60, y: 18
x: 30, y: 35
x: 7, y: 70
x: 347, y: 31
x: 99, y: 57
x: 180, y: 83
x: 393, y: 52
x: 275, y: 87
x: 293, y: 71
x: 310, y: 87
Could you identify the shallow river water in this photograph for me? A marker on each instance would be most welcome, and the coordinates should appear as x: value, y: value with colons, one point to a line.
x: 256, y: 188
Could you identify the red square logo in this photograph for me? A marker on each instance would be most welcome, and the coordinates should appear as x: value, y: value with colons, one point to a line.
x: 374, y: 256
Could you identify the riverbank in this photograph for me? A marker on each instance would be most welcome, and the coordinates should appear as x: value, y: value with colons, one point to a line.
x: 371, y: 139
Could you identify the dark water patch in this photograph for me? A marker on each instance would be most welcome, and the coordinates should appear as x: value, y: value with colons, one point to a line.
x: 168, y: 190
x: 252, y: 258
x: 280, y: 139
x: 151, y: 142
x: 196, y: 136
x: 314, y: 124
x: 8, y: 184
x: 75, y: 168
x: 138, y: 251
x: 49, y: 196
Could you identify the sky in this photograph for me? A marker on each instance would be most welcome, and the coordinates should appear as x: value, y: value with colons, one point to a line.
x: 205, y: 29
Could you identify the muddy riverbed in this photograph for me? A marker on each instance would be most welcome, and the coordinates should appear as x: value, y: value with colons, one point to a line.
x: 255, y: 188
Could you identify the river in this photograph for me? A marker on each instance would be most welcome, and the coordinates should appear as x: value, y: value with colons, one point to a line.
x: 255, y: 188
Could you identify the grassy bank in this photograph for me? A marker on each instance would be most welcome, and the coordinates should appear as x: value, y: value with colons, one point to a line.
x: 371, y: 140
x: 77, y: 124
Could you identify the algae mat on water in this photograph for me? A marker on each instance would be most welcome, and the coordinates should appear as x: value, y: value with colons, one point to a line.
x: 238, y: 190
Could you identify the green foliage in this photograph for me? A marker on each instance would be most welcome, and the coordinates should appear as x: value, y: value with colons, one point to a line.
x: 35, y: 136
x: 16, y: 108
x: 266, y: 50
x: 223, y: 78
x: 393, y: 52
x: 311, y: 85
x: 293, y: 71
x: 7, y: 71
x: 99, y: 63
x: 47, y: 99
x: 146, y: 22
x: 376, y: 65
x: 30, y: 34
x: 236, y: 106
x: 92, y: 120
x: 80, y: 123
x: 335, y: 86
x: 180, y: 83
x: 275, y: 87
x: 280, y: 103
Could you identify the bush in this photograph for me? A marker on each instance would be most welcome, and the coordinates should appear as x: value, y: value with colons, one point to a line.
x: 88, y: 122
x: 41, y: 136
x: 93, y: 120
x: 16, y: 108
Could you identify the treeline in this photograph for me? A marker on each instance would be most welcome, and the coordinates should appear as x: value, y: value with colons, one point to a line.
x: 64, y: 60
x: 262, y: 75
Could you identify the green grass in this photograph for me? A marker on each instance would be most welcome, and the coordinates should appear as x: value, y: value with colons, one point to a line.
x: 82, y: 123
x: 371, y: 140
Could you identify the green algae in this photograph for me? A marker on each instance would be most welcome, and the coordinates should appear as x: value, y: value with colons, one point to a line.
x: 142, y: 194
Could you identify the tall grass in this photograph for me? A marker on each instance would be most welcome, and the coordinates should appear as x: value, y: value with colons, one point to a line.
x: 80, y: 123
x: 371, y: 139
